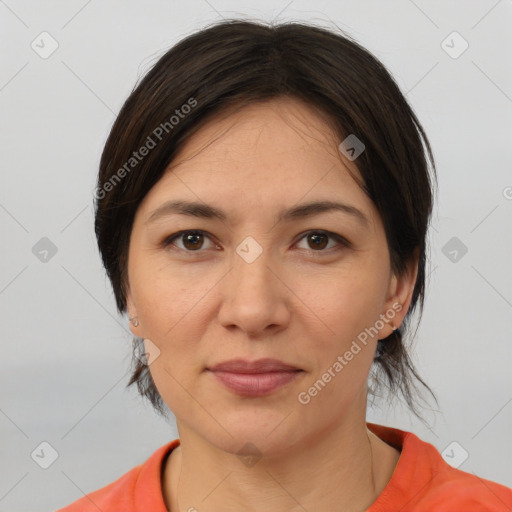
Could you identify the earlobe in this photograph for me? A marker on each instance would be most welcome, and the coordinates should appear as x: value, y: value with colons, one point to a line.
x: 391, y: 318
x: 135, y: 326
x: 401, y: 290
x: 132, y: 315
x: 405, y: 287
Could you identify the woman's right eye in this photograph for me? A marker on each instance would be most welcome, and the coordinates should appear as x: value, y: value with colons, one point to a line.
x: 191, y: 240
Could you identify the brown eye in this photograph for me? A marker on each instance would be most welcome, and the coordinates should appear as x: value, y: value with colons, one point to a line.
x: 191, y: 241
x: 318, y: 240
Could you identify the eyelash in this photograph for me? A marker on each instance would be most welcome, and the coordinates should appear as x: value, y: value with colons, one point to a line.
x: 343, y: 242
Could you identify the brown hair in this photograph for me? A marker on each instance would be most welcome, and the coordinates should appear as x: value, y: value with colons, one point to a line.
x: 236, y: 62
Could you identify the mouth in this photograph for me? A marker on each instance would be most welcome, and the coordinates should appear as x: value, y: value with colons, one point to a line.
x: 254, y: 378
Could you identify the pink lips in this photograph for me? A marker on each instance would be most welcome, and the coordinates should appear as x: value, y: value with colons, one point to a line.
x: 254, y: 378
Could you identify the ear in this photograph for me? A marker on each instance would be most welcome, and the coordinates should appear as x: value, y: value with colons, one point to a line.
x: 399, y: 297
x: 132, y: 313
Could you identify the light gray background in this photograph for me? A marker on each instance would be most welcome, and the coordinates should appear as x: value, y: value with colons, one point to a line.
x: 65, y: 352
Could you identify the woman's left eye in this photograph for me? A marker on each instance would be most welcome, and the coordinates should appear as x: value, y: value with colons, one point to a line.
x: 193, y: 240
x: 319, y: 240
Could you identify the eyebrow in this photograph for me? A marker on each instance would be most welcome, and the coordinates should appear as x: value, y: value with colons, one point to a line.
x: 300, y: 211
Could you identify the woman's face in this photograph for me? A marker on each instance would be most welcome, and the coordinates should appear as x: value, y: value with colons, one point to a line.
x: 311, y: 288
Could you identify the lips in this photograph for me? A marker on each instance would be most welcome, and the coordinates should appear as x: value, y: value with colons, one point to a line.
x: 259, y: 366
x: 254, y: 378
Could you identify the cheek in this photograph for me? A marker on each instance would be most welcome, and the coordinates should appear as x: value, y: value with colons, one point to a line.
x: 342, y: 308
x: 345, y: 302
x: 174, y: 309
x: 340, y: 349
x: 167, y: 298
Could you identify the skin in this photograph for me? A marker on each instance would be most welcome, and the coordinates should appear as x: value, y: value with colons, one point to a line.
x: 296, y: 302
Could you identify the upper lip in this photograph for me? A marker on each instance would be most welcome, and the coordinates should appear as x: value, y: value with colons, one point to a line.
x: 265, y: 365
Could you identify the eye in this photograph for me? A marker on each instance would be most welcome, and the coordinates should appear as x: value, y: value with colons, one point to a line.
x: 192, y: 240
x: 318, y: 239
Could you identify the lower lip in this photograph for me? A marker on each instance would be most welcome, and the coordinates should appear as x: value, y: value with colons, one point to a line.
x: 255, y: 384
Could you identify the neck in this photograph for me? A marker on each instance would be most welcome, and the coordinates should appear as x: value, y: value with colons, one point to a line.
x: 345, y: 469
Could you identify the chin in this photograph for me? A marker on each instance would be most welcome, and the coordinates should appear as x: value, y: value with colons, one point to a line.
x: 271, y: 433
x: 250, y: 443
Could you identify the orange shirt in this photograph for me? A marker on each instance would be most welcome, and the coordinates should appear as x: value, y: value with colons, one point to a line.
x: 422, y: 482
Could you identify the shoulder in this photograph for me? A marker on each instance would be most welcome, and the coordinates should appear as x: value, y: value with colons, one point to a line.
x: 139, y: 488
x: 453, y: 488
x: 423, y: 481
x: 113, y: 495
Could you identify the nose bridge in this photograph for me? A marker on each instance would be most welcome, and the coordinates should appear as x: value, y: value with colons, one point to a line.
x: 251, y: 266
x: 254, y: 297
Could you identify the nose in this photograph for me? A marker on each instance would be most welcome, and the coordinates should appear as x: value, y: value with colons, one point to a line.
x: 256, y: 299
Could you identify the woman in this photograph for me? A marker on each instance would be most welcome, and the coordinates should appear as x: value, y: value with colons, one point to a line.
x: 262, y: 209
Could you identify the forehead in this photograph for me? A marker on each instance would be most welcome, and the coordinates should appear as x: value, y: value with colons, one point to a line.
x: 263, y: 133
x: 265, y: 155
